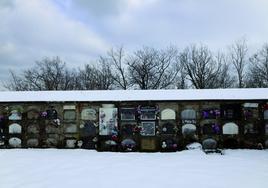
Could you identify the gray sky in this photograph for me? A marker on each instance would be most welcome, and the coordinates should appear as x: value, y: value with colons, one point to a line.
x: 80, y: 30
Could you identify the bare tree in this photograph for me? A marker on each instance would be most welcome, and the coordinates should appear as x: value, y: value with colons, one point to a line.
x: 116, y: 57
x: 200, y: 67
x: 97, y: 77
x: 47, y: 74
x: 16, y: 83
x: 258, y: 69
x: 224, y: 77
x: 149, y: 68
x: 238, y: 57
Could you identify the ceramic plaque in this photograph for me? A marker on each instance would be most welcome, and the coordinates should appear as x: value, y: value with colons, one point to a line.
x: 15, y: 115
x: 33, y: 142
x: 14, y: 142
x: 89, y: 114
x: 108, y: 121
x: 188, y: 114
x: 69, y: 115
x: 15, y: 128
x: 230, y: 129
x: 147, y: 128
x: 70, y: 128
x: 70, y: 143
x: 33, y: 129
x: 188, y: 129
x: 168, y: 114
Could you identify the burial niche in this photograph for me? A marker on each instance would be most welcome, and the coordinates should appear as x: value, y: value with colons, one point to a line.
x: 188, y: 129
x: 14, y: 142
x: 89, y: 114
x: 147, y: 128
x: 168, y: 114
x: 15, y: 128
x: 230, y: 129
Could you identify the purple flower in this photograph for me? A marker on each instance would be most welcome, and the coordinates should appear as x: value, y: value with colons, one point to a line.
x: 43, y: 114
x: 2, y: 117
x: 217, y: 112
x: 205, y: 114
x: 216, y: 128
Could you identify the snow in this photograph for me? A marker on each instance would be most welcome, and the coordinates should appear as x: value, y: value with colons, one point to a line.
x: 135, y: 95
x: 49, y: 168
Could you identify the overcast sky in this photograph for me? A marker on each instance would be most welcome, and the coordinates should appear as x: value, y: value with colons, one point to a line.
x: 80, y: 30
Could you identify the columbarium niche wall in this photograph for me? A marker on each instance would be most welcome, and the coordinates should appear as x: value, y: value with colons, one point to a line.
x: 108, y: 127
x: 148, y: 118
x: 70, y: 125
x: 189, y: 121
x: 54, y: 125
x: 35, y: 128
x: 168, y: 126
x: 15, y: 126
x: 129, y: 128
x: 88, y: 126
x: 3, y: 126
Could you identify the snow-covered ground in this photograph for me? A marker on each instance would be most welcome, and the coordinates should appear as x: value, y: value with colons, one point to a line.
x: 47, y: 168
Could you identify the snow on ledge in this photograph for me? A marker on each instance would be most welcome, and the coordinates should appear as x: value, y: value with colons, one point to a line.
x: 135, y: 95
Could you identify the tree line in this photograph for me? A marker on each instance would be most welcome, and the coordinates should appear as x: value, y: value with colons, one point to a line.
x: 196, y: 66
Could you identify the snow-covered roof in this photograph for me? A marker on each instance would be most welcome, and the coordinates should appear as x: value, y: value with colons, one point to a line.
x: 135, y: 95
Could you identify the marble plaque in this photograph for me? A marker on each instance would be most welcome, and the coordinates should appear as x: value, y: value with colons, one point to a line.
x: 33, y: 142
x: 15, y: 128
x: 188, y: 129
x: 89, y: 114
x: 230, y: 129
x: 14, y: 142
x: 147, y: 128
x: 33, y: 129
x: 70, y: 128
x: 69, y: 115
x: 108, y: 121
x: 188, y: 114
x: 15, y: 115
x: 168, y: 114
x: 70, y: 143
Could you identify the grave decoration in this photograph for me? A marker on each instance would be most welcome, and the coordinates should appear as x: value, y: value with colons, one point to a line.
x: 128, y: 144
x: 15, y: 115
x: 168, y: 128
x: 211, y: 129
x: 108, y: 121
x: 211, y: 113
x: 169, y: 144
x: 52, y: 115
x: 148, y: 112
x: 210, y: 145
